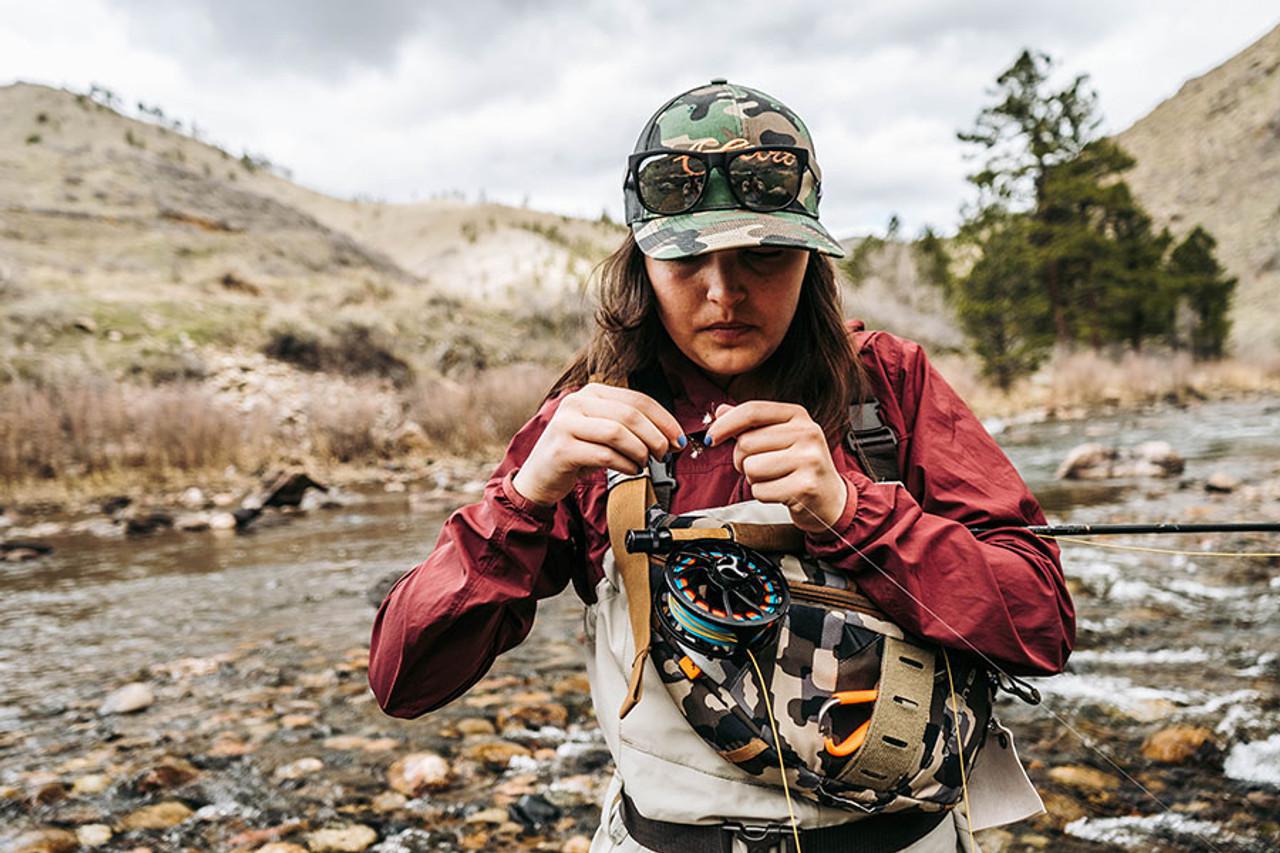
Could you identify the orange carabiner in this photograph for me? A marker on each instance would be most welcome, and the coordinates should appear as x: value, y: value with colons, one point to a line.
x: 845, y: 697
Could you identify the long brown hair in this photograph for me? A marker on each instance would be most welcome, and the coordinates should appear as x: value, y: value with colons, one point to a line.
x: 814, y: 366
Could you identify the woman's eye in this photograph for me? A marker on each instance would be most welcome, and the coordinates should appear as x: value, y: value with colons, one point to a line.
x: 764, y: 255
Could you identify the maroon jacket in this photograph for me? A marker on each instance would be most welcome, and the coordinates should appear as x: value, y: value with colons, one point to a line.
x: 474, y: 597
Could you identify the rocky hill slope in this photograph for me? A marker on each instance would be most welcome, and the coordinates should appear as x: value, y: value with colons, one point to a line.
x: 127, y: 245
x: 1210, y: 155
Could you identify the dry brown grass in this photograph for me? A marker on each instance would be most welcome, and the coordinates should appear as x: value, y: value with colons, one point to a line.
x: 91, y: 427
x: 1086, y: 380
x: 84, y: 434
x: 483, y: 412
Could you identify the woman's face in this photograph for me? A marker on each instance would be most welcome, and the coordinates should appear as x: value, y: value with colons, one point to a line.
x: 728, y: 311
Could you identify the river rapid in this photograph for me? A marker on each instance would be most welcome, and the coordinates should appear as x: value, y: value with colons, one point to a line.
x: 252, y: 647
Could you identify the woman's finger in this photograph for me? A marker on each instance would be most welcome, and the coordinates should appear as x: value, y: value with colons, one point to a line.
x: 649, y: 407
x: 748, y: 416
x: 763, y: 467
x: 773, y: 437
x: 611, y: 434
x: 631, y: 418
x: 595, y: 456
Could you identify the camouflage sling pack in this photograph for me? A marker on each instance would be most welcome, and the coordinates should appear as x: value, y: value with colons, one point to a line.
x: 863, y: 713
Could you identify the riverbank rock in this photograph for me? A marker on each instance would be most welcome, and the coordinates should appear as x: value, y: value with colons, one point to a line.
x: 169, y: 772
x: 300, y: 769
x: 532, y: 715
x: 158, y: 816
x: 1176, y: 744
x: 18, y: 551
x: 497, y: 754
x: 127, y: 699
x: 284, y: 489
x: 1094, y: 461
x: 43, y: 841
x: 1221, y: 482
x: 419, y: 773
x: 222, y: 521
x: 87, y: 786
x: 147, y: 522
x: 376, y: 593
x: 191, y: 522
x: 348, y: 838
x: 1083, y: 778
x: 93, y: 834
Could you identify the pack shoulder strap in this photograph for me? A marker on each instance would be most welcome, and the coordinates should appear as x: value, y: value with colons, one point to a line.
x: 627, y: 503
x: 872, y: 441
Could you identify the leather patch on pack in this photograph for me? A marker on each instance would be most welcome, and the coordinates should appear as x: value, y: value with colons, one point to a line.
x: 746, y: 752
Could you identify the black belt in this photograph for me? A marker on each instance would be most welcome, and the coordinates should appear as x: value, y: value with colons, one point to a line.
x: 878, y: 834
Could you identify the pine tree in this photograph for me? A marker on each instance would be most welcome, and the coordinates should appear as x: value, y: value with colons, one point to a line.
x: 1000, y: 305
x: 1043, y: 159
x: 1201, y: 281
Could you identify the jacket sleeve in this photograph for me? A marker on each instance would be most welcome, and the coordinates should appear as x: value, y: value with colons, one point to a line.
x: 443, y: 623
x: 1002, y: 591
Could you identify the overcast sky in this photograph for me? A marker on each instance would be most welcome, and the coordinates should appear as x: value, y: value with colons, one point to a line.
x: 400, y: 99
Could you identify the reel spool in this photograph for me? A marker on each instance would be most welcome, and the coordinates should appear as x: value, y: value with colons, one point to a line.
x: 718, y: 597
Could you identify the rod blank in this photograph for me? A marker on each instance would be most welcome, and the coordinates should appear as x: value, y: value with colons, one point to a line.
x: 1162, y: 527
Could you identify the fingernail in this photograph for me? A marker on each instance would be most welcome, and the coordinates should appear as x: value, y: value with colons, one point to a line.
x: 682, y: 441
x: 706, y: 440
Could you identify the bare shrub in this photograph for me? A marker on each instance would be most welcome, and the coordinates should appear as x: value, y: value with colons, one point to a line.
x: 346, y: 423
x: 351, y: 347
x: 483, y: 412
x: 90, y: 426
x: 1086, y: 379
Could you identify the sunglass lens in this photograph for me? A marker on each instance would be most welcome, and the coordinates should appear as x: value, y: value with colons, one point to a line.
x: 765, y: 180
x: 671, y: 183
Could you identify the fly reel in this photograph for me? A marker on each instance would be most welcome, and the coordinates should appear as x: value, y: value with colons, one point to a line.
x: 717, y: 597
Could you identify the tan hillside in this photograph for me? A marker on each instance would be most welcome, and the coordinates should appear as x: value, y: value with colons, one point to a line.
x: 129, y: 246
x: 1210, y: 155
x: 894, y: 296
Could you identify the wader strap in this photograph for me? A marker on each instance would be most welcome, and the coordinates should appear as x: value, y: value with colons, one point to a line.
x: 895, y: 737
x: 872, y: 442
x: 627, y: 503
x: 768, y: 537
x: 883, y: 833
x: 761, y: 537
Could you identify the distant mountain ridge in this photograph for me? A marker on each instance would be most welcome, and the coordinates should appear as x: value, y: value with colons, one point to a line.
x: 160, y: 241
x: 1210, y: 155
x: 129, y: 247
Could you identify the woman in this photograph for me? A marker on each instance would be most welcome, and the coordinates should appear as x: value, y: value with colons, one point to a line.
x: 721, y: 313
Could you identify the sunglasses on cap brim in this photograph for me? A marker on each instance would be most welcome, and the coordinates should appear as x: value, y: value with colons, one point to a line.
x: 764, y: 178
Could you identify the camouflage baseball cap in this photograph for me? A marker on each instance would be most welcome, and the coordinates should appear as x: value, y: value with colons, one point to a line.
x: 722, y: 116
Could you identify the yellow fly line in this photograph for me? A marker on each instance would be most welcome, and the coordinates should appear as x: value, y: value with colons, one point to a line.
x: 1168, y: 551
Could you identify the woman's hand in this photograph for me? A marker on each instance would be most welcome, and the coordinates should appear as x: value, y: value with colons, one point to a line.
x: 785, y: 458
x: 597, y: 426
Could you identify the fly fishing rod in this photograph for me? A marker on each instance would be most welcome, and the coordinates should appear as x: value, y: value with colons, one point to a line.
x: 1160, y: 527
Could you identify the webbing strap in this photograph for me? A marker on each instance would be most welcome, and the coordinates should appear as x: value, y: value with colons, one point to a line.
x: 768, y: 537
x: 873, y: 442
x: 895, y: 737
x: 626, y: 509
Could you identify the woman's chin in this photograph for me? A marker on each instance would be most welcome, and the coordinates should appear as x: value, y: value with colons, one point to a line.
x: 730, y: 363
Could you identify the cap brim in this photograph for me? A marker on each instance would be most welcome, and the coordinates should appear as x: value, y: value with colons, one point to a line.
x: 702, y: 231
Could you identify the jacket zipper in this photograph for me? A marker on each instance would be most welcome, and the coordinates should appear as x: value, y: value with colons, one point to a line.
x: 802, y: 591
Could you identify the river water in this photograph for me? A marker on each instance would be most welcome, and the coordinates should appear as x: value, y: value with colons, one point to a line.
x: 1163, y: 639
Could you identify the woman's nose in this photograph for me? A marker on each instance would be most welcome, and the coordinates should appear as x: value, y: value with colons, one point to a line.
x: 723, y: 284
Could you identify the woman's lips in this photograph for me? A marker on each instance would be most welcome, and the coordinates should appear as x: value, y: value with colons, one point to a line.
x: 726, y: 333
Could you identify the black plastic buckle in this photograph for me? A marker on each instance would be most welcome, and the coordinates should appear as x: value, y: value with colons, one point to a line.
x: 758, y: 838
x: 867, y: 429
x: 662, y: 473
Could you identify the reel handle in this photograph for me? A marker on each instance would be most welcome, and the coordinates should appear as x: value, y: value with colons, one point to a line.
x: 657, y: 541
